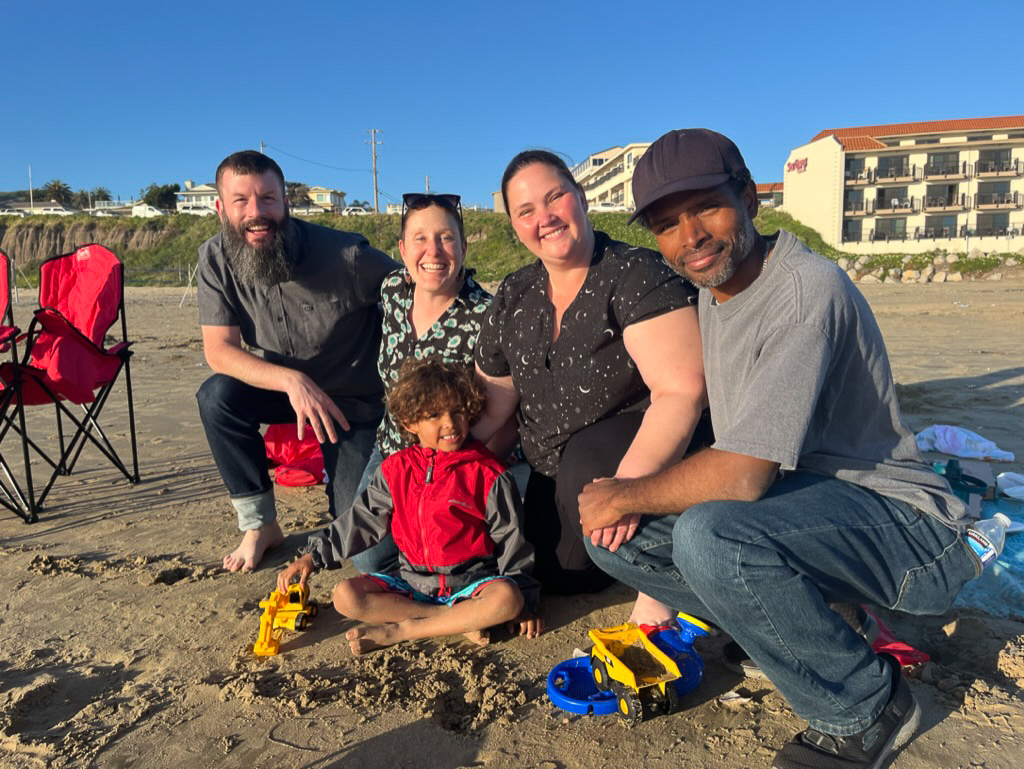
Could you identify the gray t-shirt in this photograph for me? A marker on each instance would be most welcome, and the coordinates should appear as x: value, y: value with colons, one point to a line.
x: 324, y: 322
x: 798, y: 374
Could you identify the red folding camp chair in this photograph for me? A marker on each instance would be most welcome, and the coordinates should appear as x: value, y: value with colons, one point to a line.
x: 81, y: 295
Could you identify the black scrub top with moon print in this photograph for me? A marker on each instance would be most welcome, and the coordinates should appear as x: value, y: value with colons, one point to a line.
x: 586, y: 375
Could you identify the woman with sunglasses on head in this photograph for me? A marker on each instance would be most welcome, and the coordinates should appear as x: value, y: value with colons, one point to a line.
x: 596, y: 347
x: 432, y: 307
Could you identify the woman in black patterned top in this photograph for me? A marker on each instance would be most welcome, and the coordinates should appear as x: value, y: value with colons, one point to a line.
x: 596, y: 347
x: 432, y: 307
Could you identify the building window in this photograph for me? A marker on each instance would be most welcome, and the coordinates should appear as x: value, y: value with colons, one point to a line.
x: 853, y: 230
x: 855, y: 168
x: 943, y: 162
x: 994, y: 224
x: 891, y: 229
x: 994, y: 160
x: 893, y: 166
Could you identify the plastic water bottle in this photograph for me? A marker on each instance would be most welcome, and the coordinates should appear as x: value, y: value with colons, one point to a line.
x: 986, y: 537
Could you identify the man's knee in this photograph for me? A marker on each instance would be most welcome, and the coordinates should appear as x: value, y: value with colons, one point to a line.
x: 217, y: 394
x: 706, y: 541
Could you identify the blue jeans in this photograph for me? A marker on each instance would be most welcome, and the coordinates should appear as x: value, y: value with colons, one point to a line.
x: 232, y: 413
x: 766, y: 571
x: 382, y: 557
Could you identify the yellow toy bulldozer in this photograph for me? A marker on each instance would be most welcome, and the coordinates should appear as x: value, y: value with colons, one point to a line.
x: 292, y: 611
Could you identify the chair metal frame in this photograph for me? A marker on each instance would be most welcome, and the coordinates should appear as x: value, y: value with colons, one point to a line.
x: 22, y: 377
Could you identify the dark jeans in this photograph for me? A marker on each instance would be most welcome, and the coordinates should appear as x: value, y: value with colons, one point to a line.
x: 232, y: 413
x: 766, y: 572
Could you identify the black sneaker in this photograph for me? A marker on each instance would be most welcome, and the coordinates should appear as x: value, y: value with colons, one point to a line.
x: 872, y: 748
x: 738, y: 661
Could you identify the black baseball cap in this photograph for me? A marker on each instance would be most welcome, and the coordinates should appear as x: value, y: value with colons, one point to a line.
x: 685, y: 159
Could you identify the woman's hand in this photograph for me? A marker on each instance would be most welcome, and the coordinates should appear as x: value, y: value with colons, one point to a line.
x: 611, y: 537
x: 604, y: 513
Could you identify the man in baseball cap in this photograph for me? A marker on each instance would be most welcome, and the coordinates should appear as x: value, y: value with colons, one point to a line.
x: 813, y: 499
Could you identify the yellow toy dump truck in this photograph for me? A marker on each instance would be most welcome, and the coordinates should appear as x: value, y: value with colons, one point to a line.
x: 292, y: 611
x: 627, y: 663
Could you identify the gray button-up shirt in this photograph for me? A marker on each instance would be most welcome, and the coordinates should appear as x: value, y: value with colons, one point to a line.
x: 324, y: 322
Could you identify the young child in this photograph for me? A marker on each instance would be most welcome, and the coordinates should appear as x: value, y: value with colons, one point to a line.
x: 455, y: 516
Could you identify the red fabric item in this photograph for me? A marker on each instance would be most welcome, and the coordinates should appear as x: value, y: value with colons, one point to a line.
x: 299, y: 463
x: 890, y: 644
x: 79, y: 300
x: 440, y: 503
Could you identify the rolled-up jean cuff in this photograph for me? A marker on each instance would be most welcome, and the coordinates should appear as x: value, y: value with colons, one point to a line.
x: 255, y: 510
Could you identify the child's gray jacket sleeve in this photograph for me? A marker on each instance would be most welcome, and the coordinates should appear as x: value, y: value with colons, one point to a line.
x: 505, y: 525
x: 362, y: 526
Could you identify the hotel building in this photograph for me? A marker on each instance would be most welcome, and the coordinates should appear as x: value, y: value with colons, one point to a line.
x: 912, y: 187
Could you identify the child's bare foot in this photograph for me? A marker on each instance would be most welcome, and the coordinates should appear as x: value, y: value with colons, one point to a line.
x: 649, y: 611
x: 479, y: 637
x: 368, y: 638
x: 254, y: 544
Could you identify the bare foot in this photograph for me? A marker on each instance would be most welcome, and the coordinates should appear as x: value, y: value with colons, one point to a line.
x: 368, y: 638
x: 648, y: 611
x: 479, y: 637
x: 254, y: 544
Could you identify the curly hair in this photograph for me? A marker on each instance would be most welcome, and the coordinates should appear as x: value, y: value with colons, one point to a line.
x: 431, y: 385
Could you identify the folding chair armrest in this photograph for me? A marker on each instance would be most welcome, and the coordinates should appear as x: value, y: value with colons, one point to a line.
x: 51, y: 320
x: 120, y: 349
x: 7, y: 333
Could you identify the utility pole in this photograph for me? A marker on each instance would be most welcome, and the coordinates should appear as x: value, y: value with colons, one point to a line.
x: 373, y: 152
x: 31, y: 204
x: 428, y: 184
x: 262, y: 145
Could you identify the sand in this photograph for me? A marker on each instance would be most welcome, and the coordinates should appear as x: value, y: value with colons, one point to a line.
x: 123, y: 644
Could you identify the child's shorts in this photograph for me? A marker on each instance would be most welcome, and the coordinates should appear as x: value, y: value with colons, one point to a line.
x: 398, y: 585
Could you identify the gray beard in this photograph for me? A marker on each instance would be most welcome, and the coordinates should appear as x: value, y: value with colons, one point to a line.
x: 259, y: 266
x: 741, y: 250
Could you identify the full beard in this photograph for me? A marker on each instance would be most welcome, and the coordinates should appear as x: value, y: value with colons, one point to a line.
x: 740, y: 249
x: 258, y: 266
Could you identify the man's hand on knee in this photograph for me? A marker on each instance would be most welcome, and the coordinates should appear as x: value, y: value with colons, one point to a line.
x: 314, y: 407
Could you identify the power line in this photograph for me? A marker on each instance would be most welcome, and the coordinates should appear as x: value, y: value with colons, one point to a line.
x: 317, y: 163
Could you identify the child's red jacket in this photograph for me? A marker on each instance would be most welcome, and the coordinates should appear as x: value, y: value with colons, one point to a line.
x: 456, y: 517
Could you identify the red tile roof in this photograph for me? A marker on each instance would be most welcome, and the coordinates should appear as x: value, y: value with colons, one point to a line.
x: 767, y: 189
x: 860, y: 143
x: 865, y: 133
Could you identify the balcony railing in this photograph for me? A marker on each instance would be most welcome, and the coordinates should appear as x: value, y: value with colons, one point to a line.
x: 904, y: 173
x: 997, y: 200
x: 907, y: 205
x: 946, y: 203
x: 853, y: 237
x: 863, y: 176
x: 995, y: 232
x: 883, y: 235
x: 1012, y: 167
x: 858, y: 207
x: 935, y: 233
x: 947, y: 170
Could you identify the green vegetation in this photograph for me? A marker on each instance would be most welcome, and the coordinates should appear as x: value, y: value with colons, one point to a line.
x: 163, y: 247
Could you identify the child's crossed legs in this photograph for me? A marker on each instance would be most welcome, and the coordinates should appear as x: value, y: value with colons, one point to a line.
x: 395, y: 616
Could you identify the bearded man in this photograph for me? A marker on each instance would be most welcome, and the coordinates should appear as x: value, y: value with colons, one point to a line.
x: 306, y: 297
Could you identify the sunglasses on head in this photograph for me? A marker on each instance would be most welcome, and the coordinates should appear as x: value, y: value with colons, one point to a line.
x: 413, y: 201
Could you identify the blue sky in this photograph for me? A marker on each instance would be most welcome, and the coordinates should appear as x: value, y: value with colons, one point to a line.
x: 122, y: 95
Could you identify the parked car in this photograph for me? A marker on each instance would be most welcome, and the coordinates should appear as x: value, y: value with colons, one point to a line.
x: 147, y: 211
x: 195, y: 209
x: 607, y: 207
x: 12, y: 212
x: 54, y: 211
x: 354, y: 211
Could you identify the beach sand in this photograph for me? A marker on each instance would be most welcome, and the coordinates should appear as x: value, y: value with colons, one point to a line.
x: 123, y: 644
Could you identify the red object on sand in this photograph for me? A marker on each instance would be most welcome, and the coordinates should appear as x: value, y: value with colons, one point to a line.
x: 299, y: 463
x: 890, y: 644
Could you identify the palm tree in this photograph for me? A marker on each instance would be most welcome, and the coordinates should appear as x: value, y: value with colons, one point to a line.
x: 101, y: 193
x: 82, y: 199
x: 58, y: 191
